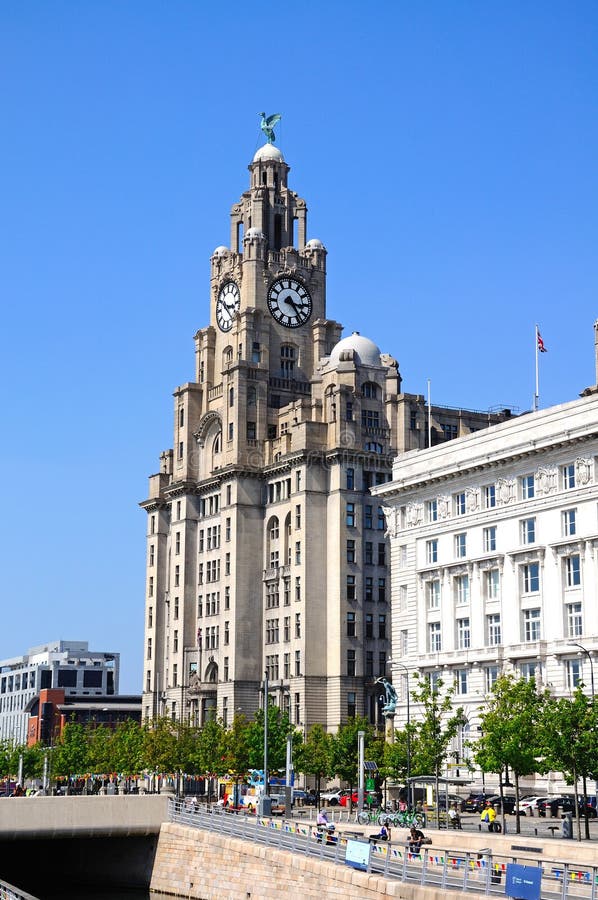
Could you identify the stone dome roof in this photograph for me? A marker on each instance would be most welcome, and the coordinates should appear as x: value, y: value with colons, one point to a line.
x: 220, y: 251
x: 315, y: 244
x: 356, y: 347
x: 268, y: 151
x: 253, y: 233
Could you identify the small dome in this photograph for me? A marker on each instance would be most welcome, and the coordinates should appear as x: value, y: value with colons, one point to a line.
x: 253, y: 234
x: 220, y: 251
x: 356, y: 347
x: 268, y: 151
x: 315, y: 244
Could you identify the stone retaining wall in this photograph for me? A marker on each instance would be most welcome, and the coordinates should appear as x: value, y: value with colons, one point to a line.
x: 197, y: 864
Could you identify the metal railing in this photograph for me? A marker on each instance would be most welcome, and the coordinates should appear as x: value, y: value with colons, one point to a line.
x: 9, y: 892
x: 468, y: 871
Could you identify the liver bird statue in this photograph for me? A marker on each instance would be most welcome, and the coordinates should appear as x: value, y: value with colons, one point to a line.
x: 267, y: 125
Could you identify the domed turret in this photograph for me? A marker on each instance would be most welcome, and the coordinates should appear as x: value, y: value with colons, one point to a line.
x: 221, y: 250
x: 267, y: 152
x: 358, y: 348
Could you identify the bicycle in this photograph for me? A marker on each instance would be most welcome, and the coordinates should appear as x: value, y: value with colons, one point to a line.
x: 404, y: 819
x: 369, y: 817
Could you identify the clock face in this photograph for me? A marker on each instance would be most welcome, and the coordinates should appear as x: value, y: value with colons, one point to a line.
x: 227, y: 305
x: 289, y: 302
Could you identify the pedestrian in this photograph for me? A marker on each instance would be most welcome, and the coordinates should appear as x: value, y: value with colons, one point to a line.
x: 488, y: 815
x: 416, y: 839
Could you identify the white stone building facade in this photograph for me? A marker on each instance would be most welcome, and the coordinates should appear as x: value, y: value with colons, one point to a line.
x: 494, y: 557
x: 69, y: 665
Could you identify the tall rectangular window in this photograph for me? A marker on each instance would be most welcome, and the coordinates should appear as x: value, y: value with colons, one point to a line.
x: 297, y: 662
x: 351, y: 704
x: 530, y: 578
x: 297, y: 625
x: 350, y: 587
x: 351, y: 663
x: 431, y: 552
x: 569, y: 522
x: 461, y: 686
x: 528, y: 670
x: 298, y: 516
x: 528, y: 531
x: 460, y: 545
x: 382, y: 626
x: 433, y: 593
x: 573, y: 671
x: 350, y: 515
x: 572, y: 566
x: 368, y: 589
x: 350, y: 551
x: 434, y: 637
x: 574, y: 620
x: 463, y: 634
x: 350, y: 479
x: 382, y: 590
x: 351, y: 624
x: 368, y: 553
x: 489, y: 496
x: 490, y: 677
x: 381, y: 554
x: 493, y: 630
x: 490, y: 539
x: 531, y: 625
x: 528, y: 487
x: 568, y: 476
x: 459, y: 504
x: 369, y: 625
x: 461, y: 585
x: 432, y: 510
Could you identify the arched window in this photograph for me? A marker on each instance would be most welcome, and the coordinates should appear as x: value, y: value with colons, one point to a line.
x: 274, y: 529
x: 217, y: 445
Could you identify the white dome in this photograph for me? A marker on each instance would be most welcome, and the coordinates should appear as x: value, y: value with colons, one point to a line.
x: 356, y: 347
x: 254, y: 233
x: 220, y: 251
x: 268, y: 151
x: 315, y: 244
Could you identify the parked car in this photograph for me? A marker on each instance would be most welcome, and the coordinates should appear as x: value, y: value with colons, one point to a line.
x: 370, y: 798
x: 452, y: 798
x: 303, y: 798
x: 557, y: 806
x: 528, y: 806
x: 509, y: 803
x: 331, y: 797
x: 475, y: 802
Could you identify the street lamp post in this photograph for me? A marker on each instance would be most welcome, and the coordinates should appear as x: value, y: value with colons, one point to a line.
x: 409, y: 787
x: 589, y: 656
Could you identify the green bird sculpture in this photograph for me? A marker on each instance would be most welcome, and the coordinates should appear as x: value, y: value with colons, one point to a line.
x: 267, y: 125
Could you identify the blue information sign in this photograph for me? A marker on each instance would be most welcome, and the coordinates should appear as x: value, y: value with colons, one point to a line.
x: 523, y: 882
x: 358, y: 854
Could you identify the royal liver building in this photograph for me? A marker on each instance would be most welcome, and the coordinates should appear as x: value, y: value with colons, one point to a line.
x: 266, y: 552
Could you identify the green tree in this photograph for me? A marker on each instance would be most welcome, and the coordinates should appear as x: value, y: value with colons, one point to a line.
x: 279, y: 726
x: 510, y: 732
x: 128, y: 748
x: 567, y: 738
x: 438, y: 726
x: 314, y: 756
x: 100, y: 749
x: 345, y: 750
x: 236, y: 752
x: 160, y: 746
x: 70, y: 755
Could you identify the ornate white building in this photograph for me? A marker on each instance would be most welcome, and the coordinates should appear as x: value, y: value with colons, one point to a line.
x: 494, y: 555
x: 265, y: 549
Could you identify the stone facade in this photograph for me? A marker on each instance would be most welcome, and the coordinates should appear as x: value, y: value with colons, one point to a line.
x: 265, y: 550
x: 494, y: 548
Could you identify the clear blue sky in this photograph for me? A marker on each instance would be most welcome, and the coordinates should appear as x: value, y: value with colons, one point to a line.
x: 447, y: 152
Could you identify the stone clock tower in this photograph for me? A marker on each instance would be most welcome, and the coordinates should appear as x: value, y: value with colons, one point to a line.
x: 265, y: 550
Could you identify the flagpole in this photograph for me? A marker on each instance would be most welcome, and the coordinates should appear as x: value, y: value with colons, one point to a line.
x: 537, y: 394
x: 429, y: 417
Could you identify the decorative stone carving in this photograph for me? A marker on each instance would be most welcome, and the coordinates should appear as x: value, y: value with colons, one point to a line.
x: 546, y: 479
x: 444, y: 507
x: 472, y: 499
x: 415, y: 514
x: 583, y: 471
x: 392, y: 515
x: 505, y: 491
x: 194, y: 684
